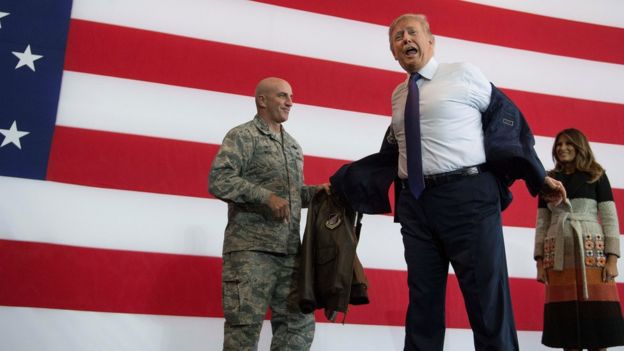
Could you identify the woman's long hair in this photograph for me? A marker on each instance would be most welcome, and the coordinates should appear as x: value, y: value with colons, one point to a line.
x: 584, y: 160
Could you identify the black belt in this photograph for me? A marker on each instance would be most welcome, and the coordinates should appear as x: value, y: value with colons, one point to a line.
x: 447, y: 177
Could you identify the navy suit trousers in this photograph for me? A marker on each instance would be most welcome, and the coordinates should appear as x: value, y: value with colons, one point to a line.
x: 457, y: 223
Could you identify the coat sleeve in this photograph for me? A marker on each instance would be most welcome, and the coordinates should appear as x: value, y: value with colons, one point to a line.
x: 608, y: 217
x: 509, y: 144
x: 541, y: 228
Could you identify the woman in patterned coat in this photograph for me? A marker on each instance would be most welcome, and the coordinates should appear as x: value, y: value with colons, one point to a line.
x: 576, y: 249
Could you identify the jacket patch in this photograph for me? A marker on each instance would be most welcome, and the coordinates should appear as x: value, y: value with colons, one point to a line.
x: 508, y: 122
x: 333, y: 221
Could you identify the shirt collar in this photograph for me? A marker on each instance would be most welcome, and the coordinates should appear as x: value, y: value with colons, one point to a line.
x: 430, y: 69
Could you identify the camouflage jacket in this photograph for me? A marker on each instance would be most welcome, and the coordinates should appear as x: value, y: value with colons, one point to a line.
x: 251, y: 164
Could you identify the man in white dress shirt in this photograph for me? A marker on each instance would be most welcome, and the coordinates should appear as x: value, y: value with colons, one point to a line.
x: 457, y: 218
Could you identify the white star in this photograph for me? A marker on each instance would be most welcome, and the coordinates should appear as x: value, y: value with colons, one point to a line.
x: 26, y: 58
x: 12, y: 135
x: 3, y: 14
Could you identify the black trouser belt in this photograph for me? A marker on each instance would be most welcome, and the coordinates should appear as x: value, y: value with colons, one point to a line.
x: 447, y: 177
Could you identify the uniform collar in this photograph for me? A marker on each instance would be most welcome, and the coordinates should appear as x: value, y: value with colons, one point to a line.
x: 263, y: 127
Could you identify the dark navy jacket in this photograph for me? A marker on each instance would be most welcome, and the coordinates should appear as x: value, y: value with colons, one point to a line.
x: 509, y: 152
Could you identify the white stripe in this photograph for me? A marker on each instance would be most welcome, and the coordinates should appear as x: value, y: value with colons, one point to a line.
x: 307, y: 34
x: 72, y: 215
x: 166, y: 111
x: 603, y: 12
x: 26, y: 329
x: 110, y: 219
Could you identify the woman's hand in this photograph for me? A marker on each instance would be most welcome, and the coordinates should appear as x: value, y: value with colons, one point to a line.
x: 610, y: 271
x: 542, y: 277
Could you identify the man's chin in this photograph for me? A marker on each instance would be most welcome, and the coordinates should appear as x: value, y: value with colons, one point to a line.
x: 409, y: 66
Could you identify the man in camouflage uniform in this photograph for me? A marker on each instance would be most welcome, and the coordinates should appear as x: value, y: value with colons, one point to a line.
x: 258, y: 171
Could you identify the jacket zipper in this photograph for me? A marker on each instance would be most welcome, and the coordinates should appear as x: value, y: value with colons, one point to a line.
x: 287, y: 172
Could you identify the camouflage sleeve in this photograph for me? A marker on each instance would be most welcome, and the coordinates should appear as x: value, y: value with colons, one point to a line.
x: 225, y: 180
x: 307, y: 193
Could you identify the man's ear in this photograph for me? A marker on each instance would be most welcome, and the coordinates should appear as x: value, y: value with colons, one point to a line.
x: 261, y: 99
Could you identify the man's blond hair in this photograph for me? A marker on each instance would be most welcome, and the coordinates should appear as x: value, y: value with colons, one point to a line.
x: 422, y: 19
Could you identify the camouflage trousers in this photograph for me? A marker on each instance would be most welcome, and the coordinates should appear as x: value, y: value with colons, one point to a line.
x: 253, y: 282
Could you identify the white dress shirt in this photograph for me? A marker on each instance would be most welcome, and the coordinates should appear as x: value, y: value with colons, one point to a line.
x: 452, y: 98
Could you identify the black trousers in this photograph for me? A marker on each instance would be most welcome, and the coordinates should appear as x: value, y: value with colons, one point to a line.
x: 457, y: 223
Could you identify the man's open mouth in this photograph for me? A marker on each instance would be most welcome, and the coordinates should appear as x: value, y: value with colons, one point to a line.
x: 411, y: 51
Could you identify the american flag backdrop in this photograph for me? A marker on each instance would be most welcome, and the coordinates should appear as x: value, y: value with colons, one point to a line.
x: 111, y: 112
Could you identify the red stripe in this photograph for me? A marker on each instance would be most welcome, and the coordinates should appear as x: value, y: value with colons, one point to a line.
x: 102, y: 49
x: 130, y: 162
x: 549, y: 114
x: 140, y: 163
x: 486, y: 24
x: 77, y: 278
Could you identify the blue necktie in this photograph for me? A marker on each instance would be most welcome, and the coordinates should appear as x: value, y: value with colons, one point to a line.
x: 412, y: 138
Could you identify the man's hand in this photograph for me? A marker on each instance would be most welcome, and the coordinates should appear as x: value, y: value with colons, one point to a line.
x: 324, y: 186
x: 553, y: 191
x: 280, y: 207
